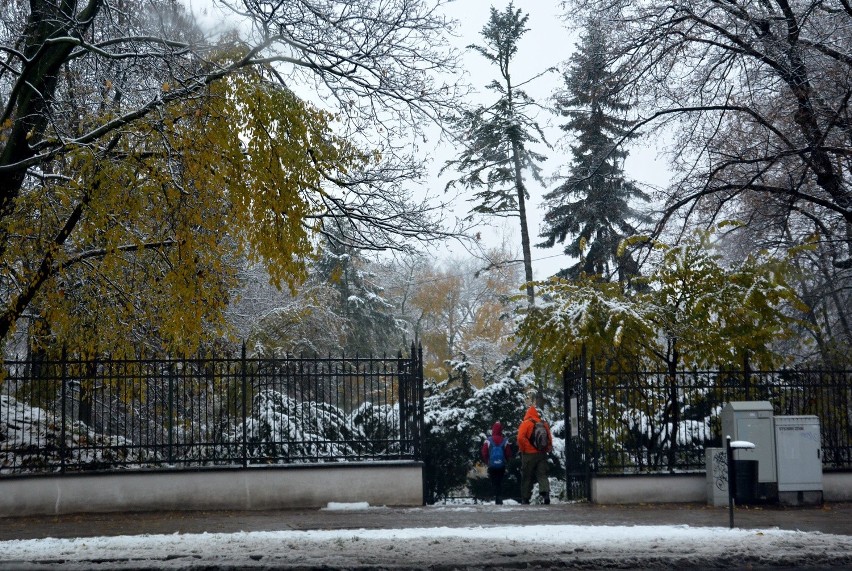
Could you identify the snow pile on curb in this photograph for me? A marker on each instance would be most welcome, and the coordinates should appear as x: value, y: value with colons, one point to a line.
x: 484, y: 547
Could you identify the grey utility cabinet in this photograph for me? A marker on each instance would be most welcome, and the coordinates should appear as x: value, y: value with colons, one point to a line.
x: 799, y: 459
x: 752, y: 421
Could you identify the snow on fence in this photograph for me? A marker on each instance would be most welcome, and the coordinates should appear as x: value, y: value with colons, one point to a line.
x: 74, y: 415
x: 651, y: 421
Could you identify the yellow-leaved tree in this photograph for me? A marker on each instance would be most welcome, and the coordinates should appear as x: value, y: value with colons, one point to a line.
x: 462, y: 317
x: 142, y: 152
x: 155, y: 227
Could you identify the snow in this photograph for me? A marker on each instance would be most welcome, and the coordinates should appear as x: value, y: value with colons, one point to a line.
x: 657, y: 545
x: 742, y: 444
x: 341, y: 506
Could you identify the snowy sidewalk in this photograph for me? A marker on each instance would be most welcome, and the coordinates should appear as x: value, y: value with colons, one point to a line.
x: 477, y: 536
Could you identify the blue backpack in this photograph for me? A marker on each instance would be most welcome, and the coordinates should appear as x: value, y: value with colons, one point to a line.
x: 496, y: 454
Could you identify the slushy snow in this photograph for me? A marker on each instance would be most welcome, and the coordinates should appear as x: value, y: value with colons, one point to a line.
x: 493, y: 547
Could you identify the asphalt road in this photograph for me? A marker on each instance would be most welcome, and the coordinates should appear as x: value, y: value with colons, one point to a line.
x: 833, y: 518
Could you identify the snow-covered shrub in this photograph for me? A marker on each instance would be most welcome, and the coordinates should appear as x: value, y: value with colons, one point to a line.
x: 281, y: 428
x: 457, y: 419
x: 376, y: 430
x: 31, y: 441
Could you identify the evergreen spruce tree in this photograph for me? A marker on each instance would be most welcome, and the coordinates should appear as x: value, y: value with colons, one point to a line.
x: 497, y: 136
x: 590, y: 210
x: 369, y: 323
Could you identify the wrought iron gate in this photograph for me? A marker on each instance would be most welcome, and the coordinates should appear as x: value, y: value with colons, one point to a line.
x: 577, y: 429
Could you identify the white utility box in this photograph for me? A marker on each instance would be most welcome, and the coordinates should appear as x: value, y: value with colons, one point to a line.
x: 752, y: 421
x: 799, y: 459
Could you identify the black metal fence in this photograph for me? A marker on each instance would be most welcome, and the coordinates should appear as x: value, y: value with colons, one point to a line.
x: 655, y: 421
x: 73, y: 415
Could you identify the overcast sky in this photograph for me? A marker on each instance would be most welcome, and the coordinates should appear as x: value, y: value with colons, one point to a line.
x: 548, y: 43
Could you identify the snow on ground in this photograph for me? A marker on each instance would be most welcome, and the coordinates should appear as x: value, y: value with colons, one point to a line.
x: 440, y: 547
x: 348, y: 506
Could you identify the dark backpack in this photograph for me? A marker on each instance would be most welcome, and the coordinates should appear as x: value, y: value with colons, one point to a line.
x: 496, y: 454
x: 539, y: 437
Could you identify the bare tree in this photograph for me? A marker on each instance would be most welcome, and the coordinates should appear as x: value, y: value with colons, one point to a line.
x: 760, y: 94
x: 89, y: 85
x: 757, y: 95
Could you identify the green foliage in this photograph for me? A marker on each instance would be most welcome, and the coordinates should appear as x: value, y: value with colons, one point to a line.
x: 693, y: 312
x: 718, y: 314
x: 584, y: 312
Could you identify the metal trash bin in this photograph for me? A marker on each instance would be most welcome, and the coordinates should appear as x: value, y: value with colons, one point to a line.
x: 746, y: 490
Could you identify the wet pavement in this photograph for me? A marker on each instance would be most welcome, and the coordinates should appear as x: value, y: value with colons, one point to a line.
x: 835, y: 518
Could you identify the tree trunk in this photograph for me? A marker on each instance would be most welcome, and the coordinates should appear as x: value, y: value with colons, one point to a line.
x: 522, y: 199
x: 47, y: 47
x: 525, y: 233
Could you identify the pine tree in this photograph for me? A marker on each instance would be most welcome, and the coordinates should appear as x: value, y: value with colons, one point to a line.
x: 369, y: 324
x: 497, y: 135
x: 590, y: 210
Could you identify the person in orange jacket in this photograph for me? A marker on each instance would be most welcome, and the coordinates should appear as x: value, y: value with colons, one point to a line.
x: 534, y: 466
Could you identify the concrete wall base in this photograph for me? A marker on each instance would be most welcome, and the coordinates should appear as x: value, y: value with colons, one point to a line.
x: 685, y: 488
x: 649, y: 489
x: 801, y: 498
x: 837, y: 486
x: 279, y: 487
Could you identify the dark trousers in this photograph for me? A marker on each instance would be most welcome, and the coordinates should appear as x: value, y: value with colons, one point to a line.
x: 534, y: 468
x: 496, y: 476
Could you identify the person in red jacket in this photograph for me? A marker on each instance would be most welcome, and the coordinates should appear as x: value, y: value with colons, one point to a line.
x: 534, y: 464
x: 496, y: 453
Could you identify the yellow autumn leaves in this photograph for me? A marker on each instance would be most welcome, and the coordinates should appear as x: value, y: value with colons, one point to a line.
x: 168, y: 208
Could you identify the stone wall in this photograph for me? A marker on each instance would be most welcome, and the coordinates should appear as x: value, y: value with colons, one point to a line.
x: 279, y: 487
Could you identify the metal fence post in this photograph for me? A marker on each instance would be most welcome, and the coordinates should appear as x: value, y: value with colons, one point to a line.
x: 566, y: 411
x: 403, y: 398
x: 747, y: 375
x: 244, y: 380
x: 732, y: 480
x: 171, y: 412
x: 569, y: 372
x: 418, y: 383
x: 593, y: 389
x: 583, y: 423
x: 63, y: 448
